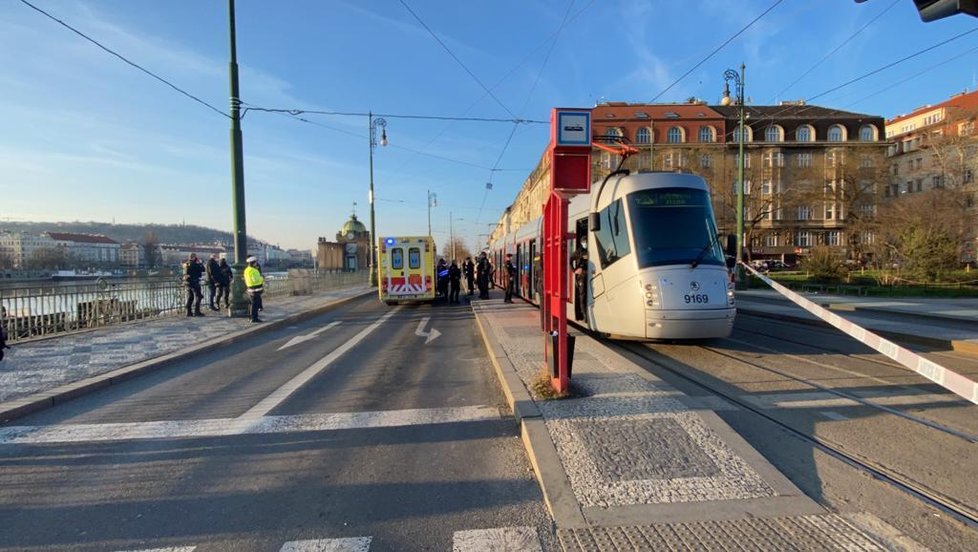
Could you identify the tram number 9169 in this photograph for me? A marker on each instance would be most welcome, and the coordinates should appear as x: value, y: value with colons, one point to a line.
x: 697, y: 298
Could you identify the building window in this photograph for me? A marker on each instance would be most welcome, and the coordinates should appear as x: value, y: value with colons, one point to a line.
x: 920, y: 184
x: 746, y: 161
x: 803, y: 160
x: 675, y: 135
x: 966, y: 128
x: 747, y: 134
x: 833, y: 237
x: 766, y: 187
x: 837, y: 133
x: 829, y: 211
x: 803, y: 239
x: 867, y: 133
x: 805, y: 133
x: 707, y: 135
x: 774, y: 133
x: 866, y: 161
x: 919, y: 162
x: 968, y: 176
x: 706, y: 160
x: 642, y: 136
x: 937, y: 181
x: 804, y: 212
x: 771, y: 240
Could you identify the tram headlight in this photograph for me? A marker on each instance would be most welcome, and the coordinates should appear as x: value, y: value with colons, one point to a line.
x: 650, y: 292
x: 731, y: 296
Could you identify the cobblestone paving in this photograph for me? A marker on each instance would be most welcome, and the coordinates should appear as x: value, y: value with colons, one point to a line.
x: 627, y: 442
x: 35, y: 366
x: 828, y: 532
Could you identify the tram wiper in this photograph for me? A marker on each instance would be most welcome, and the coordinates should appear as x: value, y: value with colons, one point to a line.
x: 703, y: 251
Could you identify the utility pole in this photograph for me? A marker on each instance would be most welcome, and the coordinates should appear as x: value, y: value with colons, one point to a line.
x: 239, y: 304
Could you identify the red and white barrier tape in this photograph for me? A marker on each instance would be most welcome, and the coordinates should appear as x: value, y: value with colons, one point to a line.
x: 952, y: 381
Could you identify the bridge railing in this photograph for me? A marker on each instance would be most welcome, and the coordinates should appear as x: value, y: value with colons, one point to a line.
x: 45, y: 308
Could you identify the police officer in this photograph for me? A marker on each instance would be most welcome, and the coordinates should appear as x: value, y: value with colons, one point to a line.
x: 482, y: 276
x: 256, y: 285
x: 224, y: 277
x: 193, y: 269
x: 213, y: 271
x: 510, y: 278
x: 468, y: 269
x: 454, y: 282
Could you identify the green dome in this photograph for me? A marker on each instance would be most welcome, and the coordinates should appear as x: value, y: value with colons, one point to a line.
x: 353, y: 225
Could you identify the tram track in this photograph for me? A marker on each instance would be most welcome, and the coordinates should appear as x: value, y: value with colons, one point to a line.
x: 948, y: 505
x: 933, y: 424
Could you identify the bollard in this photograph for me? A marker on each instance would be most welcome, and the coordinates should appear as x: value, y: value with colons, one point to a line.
x: 555, y: 362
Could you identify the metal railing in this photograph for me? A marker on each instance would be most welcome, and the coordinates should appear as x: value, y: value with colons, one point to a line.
x: 46, y: 308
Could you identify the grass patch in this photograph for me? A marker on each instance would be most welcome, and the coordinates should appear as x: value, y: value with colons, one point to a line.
x: 542, y: 389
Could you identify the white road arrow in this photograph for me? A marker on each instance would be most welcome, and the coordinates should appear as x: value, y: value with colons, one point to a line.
x: 431, y: 336
x: 303, y: 338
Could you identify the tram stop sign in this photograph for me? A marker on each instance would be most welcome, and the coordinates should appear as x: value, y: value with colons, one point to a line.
x: 570, y: 151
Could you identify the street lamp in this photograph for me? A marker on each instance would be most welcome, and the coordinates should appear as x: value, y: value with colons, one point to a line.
x: 738, y: 79
x: 373, y: 124
x: 432, y: 202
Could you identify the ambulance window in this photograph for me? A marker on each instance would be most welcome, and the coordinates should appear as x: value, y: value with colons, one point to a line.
x: 397, y: 258
x: 414, y: 258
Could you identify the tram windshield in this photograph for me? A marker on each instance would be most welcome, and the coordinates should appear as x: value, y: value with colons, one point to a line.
x: 674, y: 226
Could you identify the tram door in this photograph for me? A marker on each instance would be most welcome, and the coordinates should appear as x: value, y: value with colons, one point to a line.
x: 579, y: 281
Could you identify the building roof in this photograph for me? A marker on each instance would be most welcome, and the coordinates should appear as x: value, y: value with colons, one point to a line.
x: 81, y: 238
x: 353, y: 225
x: 793, y: 111
x: 627, y: 111
x: 963, y: 100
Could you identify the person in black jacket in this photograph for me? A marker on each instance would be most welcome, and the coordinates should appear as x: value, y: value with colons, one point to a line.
x: 483, y: 270
x: 454, y: 282
x: 212, y: 270
x: 224, y: 277
x: 468, y: 269
x: 193, y: 269
x: 509, y: 278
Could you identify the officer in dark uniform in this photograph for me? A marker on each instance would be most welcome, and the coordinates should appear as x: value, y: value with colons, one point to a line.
x: 454, y: 282
x: 579, y: 267
x: 482, y: 276
x: 193, y: 269
x: 510, y: 269
x: 468, y: 269
x: 213, y: 274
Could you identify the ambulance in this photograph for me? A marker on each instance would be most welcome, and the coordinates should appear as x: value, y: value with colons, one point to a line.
x: 406, y: 269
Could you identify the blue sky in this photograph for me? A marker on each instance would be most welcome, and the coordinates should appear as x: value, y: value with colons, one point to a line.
x: 84, y: 136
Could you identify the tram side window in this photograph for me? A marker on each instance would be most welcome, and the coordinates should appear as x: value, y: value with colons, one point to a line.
x: 397, y: 258
x: 414, y: 258
x: 612, y: 236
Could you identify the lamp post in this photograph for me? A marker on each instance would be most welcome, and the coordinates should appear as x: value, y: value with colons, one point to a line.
x: 738, y: 79
x: 239, y: 303
x: 373, y: 124
x: 432, y: 202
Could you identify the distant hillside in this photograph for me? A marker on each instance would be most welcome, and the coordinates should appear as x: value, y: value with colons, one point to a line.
x: 165, y: 233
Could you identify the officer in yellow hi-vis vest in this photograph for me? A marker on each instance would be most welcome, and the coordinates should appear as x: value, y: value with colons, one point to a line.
x: 256, y: 285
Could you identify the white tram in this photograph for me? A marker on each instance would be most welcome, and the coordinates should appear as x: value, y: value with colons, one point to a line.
x: 656, y: 268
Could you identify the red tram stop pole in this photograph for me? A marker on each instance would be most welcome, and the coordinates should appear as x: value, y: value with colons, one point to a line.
x: 570, y: 174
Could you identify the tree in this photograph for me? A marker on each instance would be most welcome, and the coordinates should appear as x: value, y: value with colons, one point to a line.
x: 49, y: 258
x: 923, y: 233
x: 151, y: 249
x: 7, y: 261
x: 461, y: 250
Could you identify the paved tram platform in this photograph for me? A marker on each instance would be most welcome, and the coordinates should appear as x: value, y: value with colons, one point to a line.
x: 634, y: 464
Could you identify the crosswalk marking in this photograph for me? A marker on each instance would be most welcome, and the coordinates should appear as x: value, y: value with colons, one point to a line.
x: 356, y: 544
x: 170, y: 549
x: 499, y: 539
x: 502, y: 539
x: 220, y: 427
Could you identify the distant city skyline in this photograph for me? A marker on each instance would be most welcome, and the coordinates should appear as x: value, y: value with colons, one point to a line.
x: 88, y: 137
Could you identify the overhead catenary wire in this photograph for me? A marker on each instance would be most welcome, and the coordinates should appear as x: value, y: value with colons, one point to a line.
x: 786, y: 109
x: 837, y: 48
x: 126, y: 60
x: 294, y: 111
x: 457, y: 60
x: 715, y: 50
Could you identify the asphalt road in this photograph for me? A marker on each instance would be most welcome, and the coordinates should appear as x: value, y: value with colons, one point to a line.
x: 382, y: 428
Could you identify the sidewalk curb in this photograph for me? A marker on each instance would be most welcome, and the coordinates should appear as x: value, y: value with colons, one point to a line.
x: 43, y: 400
x: 558, y: 494
x: 957, y: 345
